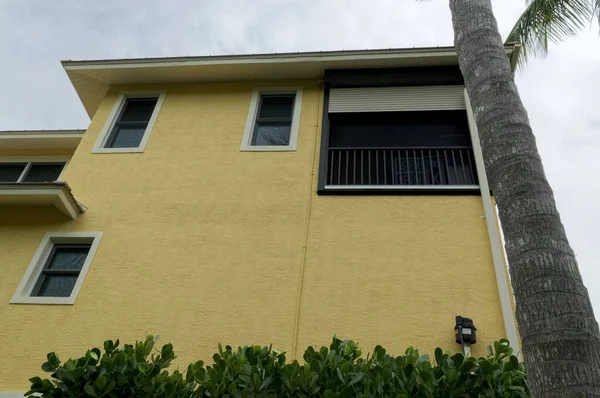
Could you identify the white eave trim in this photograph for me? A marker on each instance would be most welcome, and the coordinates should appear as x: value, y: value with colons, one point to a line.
x: 321, y: 56
x: 63, y: 198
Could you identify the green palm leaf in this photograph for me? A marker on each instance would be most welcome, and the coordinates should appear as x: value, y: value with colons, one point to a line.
x: 545, y: 21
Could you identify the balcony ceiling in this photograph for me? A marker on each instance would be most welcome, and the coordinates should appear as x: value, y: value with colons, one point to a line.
x: 26, y: 194
x: 91, y: 79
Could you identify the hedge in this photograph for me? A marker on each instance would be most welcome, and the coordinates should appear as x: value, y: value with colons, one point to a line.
x: 139, y: 370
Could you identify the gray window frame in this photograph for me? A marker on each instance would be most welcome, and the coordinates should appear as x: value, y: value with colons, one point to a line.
x: 118, y: 122
x: 66, y: 272
x: 258, y: 120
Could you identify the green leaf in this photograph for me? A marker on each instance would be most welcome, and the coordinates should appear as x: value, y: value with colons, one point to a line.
x: 89, y: 390
x: 357, y: 377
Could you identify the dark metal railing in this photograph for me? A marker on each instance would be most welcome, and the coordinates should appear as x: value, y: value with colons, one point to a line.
x: 422, y: 166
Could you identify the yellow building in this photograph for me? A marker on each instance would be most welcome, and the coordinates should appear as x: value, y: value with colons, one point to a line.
x: 256, y: 199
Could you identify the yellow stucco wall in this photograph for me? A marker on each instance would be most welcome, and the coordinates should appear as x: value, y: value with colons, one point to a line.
x: 205, y: 244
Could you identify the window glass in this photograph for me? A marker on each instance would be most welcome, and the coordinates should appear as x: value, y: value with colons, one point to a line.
x: 129, y: 129
x: 10, y: 172
x: 274, y: 120
x: 60, y: 273
x: 272, y: 134
x: 44, y: 172
x: 279, y: 106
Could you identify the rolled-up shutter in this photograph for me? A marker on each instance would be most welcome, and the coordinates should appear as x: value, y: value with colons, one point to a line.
x: 395, y: 99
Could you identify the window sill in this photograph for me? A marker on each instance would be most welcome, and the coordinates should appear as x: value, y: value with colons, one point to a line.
x: 43, y: 300
x: 400, y: 190
x: 272, y: 148
x: 117, y: 150
x: 57, y: 194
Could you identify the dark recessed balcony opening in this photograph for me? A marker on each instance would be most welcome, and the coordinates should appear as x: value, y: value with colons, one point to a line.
x: 421, y: 149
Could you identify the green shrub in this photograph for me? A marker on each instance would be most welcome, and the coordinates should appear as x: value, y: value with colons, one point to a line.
x: 338, y: 371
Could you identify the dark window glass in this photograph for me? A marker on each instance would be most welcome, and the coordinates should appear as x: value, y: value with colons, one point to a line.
x: 57, y: 285
x: 129, y: 129
x: 434, y: 129
x: 274, y: 120
x: 10, y: 172
x: 44, y: 172
x: 276, y: 106
x: 61, y: 271
x: 272, y: 134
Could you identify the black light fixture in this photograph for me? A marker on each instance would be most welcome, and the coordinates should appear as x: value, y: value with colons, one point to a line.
x: 466, y: 333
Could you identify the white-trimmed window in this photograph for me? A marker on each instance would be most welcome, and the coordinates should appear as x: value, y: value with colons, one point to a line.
x: 41, y: 169
x: 130, y: 122
x: 58, y: 268
x: 273, y: 120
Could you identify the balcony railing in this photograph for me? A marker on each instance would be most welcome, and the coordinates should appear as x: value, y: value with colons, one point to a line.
x: 422, y: 167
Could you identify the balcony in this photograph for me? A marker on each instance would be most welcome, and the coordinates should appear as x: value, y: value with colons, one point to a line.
x: 401, y: 168
x: 29, y: 181
x: 25, y: 194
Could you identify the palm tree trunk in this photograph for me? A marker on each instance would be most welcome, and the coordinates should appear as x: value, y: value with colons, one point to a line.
x: 560, y: 337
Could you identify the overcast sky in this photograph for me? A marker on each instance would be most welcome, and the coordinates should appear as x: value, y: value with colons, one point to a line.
x: 560, y: 92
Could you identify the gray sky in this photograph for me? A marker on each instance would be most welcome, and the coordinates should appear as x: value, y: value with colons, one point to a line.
x: 559, y: 92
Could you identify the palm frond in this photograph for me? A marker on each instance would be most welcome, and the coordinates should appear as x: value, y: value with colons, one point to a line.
x: 545, y: 21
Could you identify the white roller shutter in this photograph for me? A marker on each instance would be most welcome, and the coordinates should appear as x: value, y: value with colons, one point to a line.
x: 395, y: 99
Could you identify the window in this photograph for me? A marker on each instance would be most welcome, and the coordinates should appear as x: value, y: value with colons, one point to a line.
x: 56, y: 272
x: 31, y: 171
x: 130, y: 123
x: 273, y: 121
x: 61, y: 270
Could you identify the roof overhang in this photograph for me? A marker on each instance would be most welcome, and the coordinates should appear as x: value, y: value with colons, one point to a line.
x: 25, y: 194
x: 92, y: 79
x: 40, y: 139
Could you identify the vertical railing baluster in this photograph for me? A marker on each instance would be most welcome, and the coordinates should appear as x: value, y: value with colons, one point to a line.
x: 424, y: 173
x: 417, y: 179
x: 407, y: 168
x: 437, y: 156
x: 384, y: 169
x: 332, y: 152
x: 400, y: 168
x: 362, y: 168
x: 369, y: 158
x: 347, y: 166
x: 340, y: 168
x: 392, y: 164
x: 447, y: 167
x: 455, y: 171
x: 376, y: 167
x: 431, y: 168
x: 471, y: 166
x: 462, y: 165
x: 354, y: 169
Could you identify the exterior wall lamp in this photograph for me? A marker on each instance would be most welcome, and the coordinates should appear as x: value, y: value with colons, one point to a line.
x: 466, y: 333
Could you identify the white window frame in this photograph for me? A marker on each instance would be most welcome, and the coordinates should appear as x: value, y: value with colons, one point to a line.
x: 32, y: 274
x: 36, y: 159
x: 253, y: 113
x: 116, y: 112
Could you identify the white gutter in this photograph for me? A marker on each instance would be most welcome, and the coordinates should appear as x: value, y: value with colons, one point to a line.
x: 510, y: 326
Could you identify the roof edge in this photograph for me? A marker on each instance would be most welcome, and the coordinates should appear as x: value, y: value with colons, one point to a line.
x: 262, y: 58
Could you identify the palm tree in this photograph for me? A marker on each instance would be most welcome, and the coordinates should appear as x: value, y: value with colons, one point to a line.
x: 559, y: 334
x: 545, y: 21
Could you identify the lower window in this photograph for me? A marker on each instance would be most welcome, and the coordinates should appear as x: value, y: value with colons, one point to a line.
x: 61, y: 270
x: 58, y: 268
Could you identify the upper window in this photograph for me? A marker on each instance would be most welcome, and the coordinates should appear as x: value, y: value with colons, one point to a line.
x: 31, y: 171
x: 273, y: 121
x: 56, y: 272
x: 130, y: 123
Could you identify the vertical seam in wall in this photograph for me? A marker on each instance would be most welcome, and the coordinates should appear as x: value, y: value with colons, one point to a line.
x: 307, y: 227
x: 504, y: 292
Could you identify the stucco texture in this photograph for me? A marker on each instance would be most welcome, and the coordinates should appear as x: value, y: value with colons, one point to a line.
x: 205, y: 244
